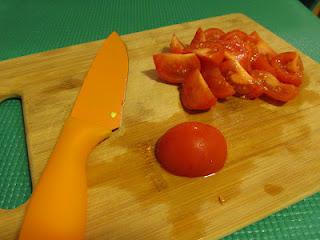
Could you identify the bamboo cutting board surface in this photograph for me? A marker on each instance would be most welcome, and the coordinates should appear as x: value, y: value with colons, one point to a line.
x: 273, y: 157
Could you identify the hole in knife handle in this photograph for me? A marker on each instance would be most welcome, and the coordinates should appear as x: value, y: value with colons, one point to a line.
x: 15, y: 181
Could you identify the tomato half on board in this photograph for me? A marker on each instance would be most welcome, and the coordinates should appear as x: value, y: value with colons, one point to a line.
x: 273, y: 88
x: 195, y: 93
x: 174, y: 68
x: 288, y: 67
x: 192, y: 149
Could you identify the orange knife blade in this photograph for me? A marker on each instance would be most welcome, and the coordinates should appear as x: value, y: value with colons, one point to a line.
x: 57, y: 208
x: 102, y: 94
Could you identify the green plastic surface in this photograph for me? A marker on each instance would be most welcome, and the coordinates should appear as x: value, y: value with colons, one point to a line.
x: 39, y: 25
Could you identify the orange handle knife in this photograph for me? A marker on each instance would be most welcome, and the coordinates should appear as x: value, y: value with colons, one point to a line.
x: 57, y: 208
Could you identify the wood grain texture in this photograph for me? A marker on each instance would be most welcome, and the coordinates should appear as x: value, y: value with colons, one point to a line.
x: 273, y: 157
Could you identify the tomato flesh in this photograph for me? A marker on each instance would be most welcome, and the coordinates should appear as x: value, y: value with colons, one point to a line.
x: 195, y: 93
x: 174, y: 68
x: 288, y: 68
x: 192, y: 149
x: 217, y: 83
x: 273, y: 88
x: 213, y: 34
x: 176, y: 46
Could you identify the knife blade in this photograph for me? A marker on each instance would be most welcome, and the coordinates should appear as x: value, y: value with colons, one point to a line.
x: 57, y: 207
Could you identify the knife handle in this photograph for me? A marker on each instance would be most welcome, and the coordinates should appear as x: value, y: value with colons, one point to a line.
x: 57, y: 207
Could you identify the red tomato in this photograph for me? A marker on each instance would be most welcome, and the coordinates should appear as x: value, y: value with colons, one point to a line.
x: 174, y: 68
x: 231, y: 35
x: 192, y: 149
x: 262, y: 47
x: 212, y: 56
x: 242, y: 50
x: 198, y: 38
x: 217, y: 83
x: 176, y: 46
x: 239, y: 78
x: 288, y: 67
x: 273, y: 88
x: 213, y: 34
x: 195, y: 93
x: 261, y: 62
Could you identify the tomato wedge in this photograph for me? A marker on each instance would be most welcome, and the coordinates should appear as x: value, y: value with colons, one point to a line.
x: 176, y: 46
x: 261, y: 62
x: 273, y: 88
x: 195, y: 93
x: 239, y: 78
x: 174, y: 68
x: 198, y: 38
x: 288, y: 67
x: 235, y: 33
x: 213, y: 34
x: 217, y: 83
x: 212, y: 56
x: 262, y: 47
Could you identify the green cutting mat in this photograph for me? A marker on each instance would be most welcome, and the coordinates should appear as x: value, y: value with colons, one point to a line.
x: 39, y: 25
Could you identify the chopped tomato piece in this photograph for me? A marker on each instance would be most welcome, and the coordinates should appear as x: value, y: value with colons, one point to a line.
x: 262, y: 47
x: 239, y: 78
x: 261, y: 62
x: 217, y: 83
x: 288, y: 67
x: 235, y: 33
x: 273, y: 88
x: 244, y: 51
x: 213, y: 34
x: 210, y: 56
x: 176, y: 46
x: 174, y: 68
x: 195, y: 93
x: 198, y: 38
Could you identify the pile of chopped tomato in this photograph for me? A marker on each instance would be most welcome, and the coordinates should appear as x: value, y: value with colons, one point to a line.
x: 219, y: 65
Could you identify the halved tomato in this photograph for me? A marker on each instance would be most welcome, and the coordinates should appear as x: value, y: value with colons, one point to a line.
x: 273, y: 88
x: 213, y: 34
x: 288, y: 67
x: 176, y: 46
x: 198, y: 38
x: 217, y: 83
x: 210, y: 56
x: 174, y: 68
x: 195, y: 93
x: 261, y: 62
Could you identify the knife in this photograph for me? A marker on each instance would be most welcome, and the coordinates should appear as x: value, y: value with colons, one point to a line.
x: 57, y: 207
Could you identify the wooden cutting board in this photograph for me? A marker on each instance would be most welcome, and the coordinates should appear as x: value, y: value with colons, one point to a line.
x: 273, y: 159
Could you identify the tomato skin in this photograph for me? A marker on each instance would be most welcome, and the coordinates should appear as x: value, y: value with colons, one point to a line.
x: 176, y: 46
x: 192, y: 149
x: 213, y: 34
x: 174, y: 68
x: 198, y: 38
x: 195, y: 93
x: 273, y: 88
x: 288, y: 67
x: 217, y: 82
